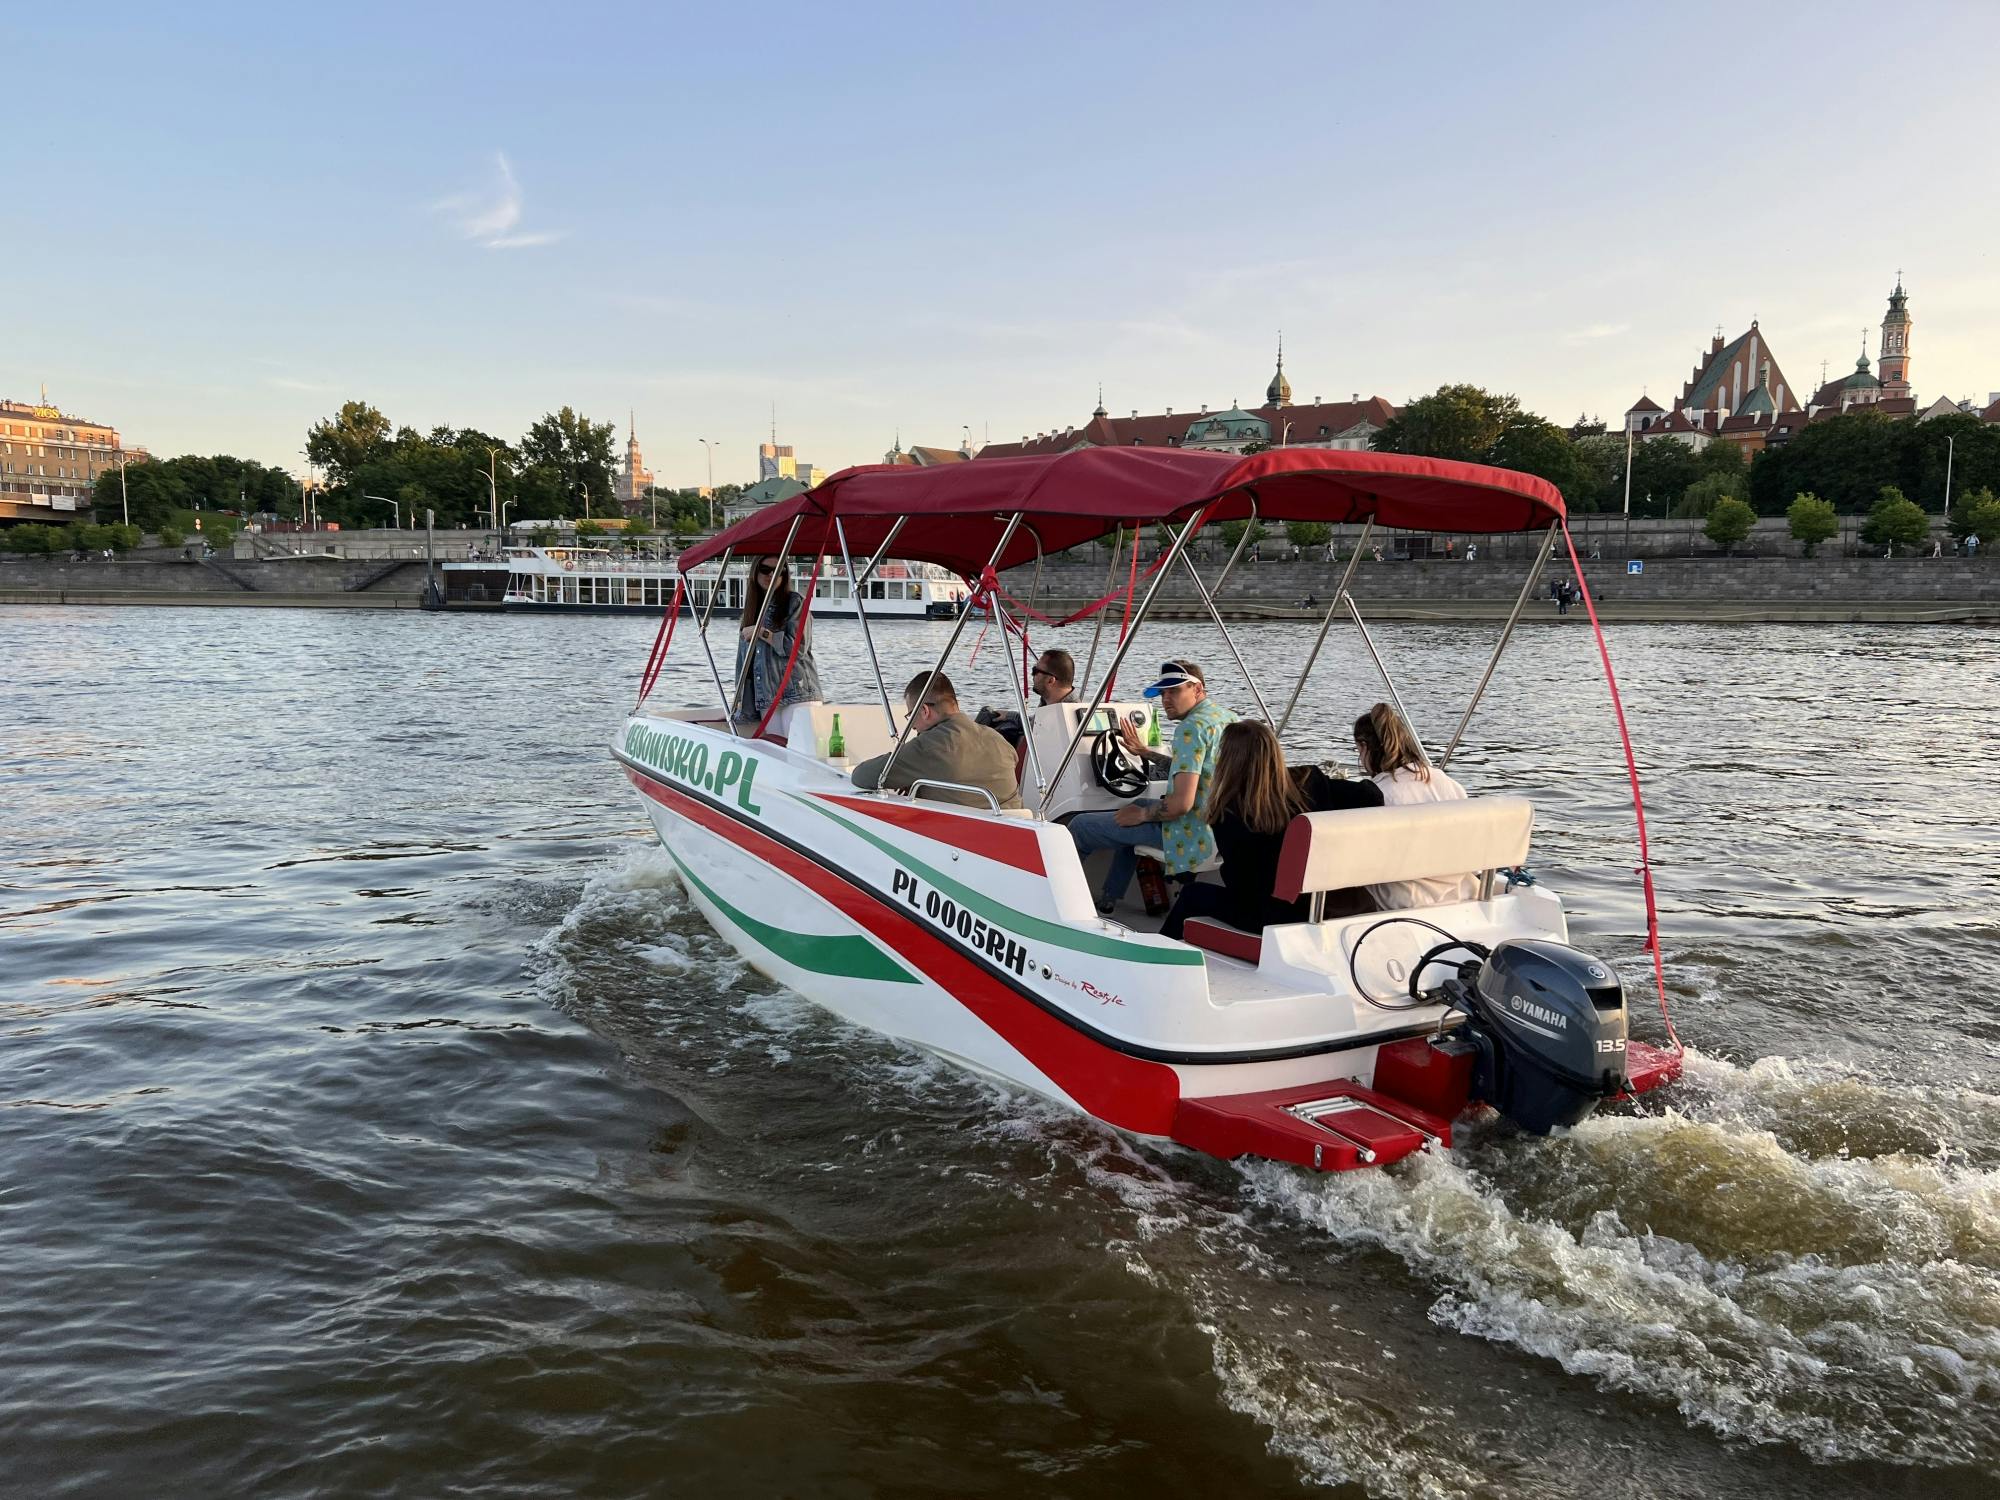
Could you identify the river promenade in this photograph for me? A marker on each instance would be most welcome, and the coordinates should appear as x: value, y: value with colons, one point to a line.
x: 1649, y: 571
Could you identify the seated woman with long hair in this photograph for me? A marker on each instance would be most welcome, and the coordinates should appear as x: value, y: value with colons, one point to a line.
x: 788, y: 620
x: 1393, y: 759
x: 1251, y: 801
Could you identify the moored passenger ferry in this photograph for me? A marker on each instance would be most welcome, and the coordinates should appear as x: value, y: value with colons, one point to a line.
x: 596, y: 580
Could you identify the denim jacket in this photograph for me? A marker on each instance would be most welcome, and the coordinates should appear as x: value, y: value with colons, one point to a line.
x: 768, y: 663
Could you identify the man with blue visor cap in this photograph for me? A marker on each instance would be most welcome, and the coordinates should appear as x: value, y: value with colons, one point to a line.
x: 1178, y: 824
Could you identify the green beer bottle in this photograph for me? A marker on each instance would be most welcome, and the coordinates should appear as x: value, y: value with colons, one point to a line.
x: 1153, y: 730
x: 836, y: 742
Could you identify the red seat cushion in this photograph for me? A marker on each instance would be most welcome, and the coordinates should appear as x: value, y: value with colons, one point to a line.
x: 1220, y: 937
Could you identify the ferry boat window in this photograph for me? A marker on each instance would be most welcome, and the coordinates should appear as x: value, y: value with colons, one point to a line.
x: 875, y: 589
x: 841, y: 588
x: 569, y: 590
x: 617, y: 587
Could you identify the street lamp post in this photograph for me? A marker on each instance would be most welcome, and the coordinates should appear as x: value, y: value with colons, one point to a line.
x: 395, y: 509
x: 709, y: 447
x: 1950, y: 440
x: 125, y: 496
x: 493, y: 485
x: 505, y: 506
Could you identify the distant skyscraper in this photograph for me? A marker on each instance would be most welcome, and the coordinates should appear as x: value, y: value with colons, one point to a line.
x: 634, y: 478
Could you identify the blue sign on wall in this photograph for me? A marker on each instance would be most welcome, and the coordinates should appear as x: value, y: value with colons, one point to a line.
x: 1636, y: 565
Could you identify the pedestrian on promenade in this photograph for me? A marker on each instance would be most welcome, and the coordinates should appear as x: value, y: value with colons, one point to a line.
x: 1450, y: 548
x: 1937, y: 546
x: 1972, y: 545
x: 1472, y: 552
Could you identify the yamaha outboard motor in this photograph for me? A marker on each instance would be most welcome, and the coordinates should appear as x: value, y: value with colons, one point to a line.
x: 1549, y: 1026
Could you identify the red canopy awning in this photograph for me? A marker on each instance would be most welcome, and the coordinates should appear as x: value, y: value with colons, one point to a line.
x: 957, y: 512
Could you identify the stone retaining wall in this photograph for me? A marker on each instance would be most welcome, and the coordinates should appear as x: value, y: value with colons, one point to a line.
x: 1736, y: 580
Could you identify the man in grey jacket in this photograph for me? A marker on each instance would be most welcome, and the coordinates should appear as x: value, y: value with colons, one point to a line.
x: 945, y: 745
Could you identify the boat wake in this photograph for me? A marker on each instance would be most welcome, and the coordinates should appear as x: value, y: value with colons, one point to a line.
x: 1792, y: 1254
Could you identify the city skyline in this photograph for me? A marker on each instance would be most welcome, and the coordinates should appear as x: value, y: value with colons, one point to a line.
x: 898, y: 222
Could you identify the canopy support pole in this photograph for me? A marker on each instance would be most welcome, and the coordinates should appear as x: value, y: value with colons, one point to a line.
x: 1249, y: 530
x: 783, y: 560
x: 1507, y: 634
x: 1228, y: 640
x: 957, y: 630
x: 1110, y: 573
x: 701, y: 629
x: 721, y: 573
x: 876, y: 561
x: 1332, y: 609
x: 1387, y: 681
x: 861, y: 613
x: 1118, y: 660
x: 1021, y: 698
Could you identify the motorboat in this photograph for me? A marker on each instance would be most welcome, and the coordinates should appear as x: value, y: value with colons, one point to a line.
x: 972, y: 930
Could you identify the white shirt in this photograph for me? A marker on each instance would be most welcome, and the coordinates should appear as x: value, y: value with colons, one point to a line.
x: 1403, y: 786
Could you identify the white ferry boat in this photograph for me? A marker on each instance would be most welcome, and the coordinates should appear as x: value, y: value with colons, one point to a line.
x: 596, y: 580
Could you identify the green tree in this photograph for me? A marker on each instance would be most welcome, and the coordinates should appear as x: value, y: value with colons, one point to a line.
x: 1601, y: 464
x: 578, y: 453
x: 31, y: 540
x: 1729, y: 523
x: 1462, y: 422
x: 1895, y: 520
x: 171, y: 536
x: 1307, y: 535
x: 1701, y: 497
x: 1535, y: 446
x: 355, y: 436
x: 1232, y: 532
x: 1845, y: 460
x: 1812, y: 521
x: 1976, y: 514
x: 1662, y: 470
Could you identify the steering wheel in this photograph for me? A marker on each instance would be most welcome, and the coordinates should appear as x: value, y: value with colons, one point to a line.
x: 1116, y: 768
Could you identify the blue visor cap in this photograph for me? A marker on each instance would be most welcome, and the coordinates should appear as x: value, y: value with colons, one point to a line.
x: 1172, y: 674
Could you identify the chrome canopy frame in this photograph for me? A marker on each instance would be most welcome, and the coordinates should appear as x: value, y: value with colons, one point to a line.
x: 1010, y: 621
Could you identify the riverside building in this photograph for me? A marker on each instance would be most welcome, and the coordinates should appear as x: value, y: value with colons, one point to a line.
x: 1278, y: 423
x: 49, y: 460
x: 1738, y: 394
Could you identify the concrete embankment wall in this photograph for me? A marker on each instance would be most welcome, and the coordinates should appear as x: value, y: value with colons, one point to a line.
x: 1829, y: 587
x: 170, y: 579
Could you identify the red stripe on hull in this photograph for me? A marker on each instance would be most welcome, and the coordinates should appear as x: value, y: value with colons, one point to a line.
x: 1018, y: 847
x: 1124, y: 1091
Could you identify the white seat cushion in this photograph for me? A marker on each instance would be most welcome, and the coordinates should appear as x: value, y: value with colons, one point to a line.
x: 1331, y: 851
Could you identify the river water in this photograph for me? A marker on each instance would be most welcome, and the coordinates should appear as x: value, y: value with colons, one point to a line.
x: 379, y: 1118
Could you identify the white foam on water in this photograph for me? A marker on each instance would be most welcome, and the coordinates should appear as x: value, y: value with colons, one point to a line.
x: 1846, y: 1305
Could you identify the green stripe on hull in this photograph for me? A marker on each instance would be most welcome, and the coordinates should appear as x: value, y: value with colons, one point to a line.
x: 847, y: 955
x: 1017, y: 921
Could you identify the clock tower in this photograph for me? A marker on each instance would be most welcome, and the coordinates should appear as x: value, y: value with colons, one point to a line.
x: 1895, y: 351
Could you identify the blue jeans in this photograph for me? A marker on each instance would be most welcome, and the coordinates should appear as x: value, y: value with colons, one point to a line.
x: 1102, y: 830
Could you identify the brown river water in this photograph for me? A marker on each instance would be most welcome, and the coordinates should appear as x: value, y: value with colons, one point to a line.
x: 378, y: 1118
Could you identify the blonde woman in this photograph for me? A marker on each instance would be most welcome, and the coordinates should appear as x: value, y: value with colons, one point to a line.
x: 1391, y: 758
x: 1251, y: 800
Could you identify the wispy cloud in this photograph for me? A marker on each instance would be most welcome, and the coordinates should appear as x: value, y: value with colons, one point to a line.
x: 1597, y: 331
x: 288, y: 383
x: 491, y: 216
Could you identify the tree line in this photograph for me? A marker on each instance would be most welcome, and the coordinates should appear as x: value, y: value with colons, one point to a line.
x: 1845, y: 461
x: 561, y: 468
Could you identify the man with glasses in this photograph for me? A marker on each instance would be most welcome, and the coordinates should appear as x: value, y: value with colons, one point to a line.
x: 1177, y: 823
x: 944, y: 745
x: 1053, y: 677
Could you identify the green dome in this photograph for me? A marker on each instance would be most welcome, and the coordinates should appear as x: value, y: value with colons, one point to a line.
x: 1233, y: 426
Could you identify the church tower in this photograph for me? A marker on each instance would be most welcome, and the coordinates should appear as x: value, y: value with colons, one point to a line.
x: 1895, y: 353
x: 1279, y: 393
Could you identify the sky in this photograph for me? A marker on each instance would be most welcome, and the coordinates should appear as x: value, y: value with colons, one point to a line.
x: 936, y: 220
